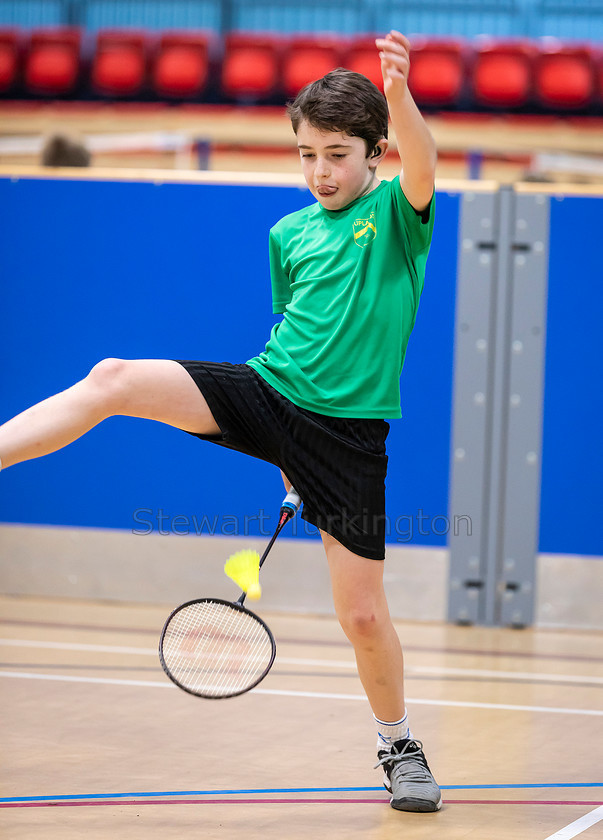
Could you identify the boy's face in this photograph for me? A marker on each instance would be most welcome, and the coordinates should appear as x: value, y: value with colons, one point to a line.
x: 335, y: 166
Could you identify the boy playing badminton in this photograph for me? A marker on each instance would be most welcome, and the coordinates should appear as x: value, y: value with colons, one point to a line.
x: 347, y: 275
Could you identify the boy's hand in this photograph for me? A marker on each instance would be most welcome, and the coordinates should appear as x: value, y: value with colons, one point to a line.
x: 416, y: 146
x: 394, y: 52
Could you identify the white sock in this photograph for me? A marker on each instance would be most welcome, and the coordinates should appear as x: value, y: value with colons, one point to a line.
x: 389, y: 733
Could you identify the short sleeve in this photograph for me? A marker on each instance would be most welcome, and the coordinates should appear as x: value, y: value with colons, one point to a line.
x: 419, y: 225
x: 281, y: 289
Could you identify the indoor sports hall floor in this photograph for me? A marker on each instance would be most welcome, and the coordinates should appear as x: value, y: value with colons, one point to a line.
x: 97, y: 743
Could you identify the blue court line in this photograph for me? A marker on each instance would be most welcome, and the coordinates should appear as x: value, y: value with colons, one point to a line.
x: 239, y: 792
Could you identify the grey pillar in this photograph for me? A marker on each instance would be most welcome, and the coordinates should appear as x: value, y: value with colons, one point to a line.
x: 524, y: 392
x: 498, y: 373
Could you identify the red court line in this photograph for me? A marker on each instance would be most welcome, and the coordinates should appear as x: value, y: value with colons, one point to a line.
x: 277, y: 801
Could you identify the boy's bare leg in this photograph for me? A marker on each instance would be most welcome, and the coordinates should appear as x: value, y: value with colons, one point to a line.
x: 156, y: 389
x: 362, y: 610
x: 364, y: 616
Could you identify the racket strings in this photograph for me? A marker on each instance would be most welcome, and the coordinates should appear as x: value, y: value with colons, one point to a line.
x: 216, y: 649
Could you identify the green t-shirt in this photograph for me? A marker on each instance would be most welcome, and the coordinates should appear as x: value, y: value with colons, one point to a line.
x: 348, y: 283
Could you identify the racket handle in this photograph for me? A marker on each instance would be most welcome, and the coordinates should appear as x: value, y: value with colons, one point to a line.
x: 291, y: 503
x: 289, y: 508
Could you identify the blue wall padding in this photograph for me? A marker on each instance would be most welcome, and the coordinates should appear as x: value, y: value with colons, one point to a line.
x: 572, y: 456
x: 137, y: 270
x: 565, y: 19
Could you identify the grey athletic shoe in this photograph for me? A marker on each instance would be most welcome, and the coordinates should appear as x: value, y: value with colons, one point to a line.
x: 408, y: 777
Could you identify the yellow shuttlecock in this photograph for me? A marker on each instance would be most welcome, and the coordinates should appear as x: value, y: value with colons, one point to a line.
x: 244, y: 568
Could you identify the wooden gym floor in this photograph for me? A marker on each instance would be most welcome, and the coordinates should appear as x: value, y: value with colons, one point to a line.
x: 97, y: 743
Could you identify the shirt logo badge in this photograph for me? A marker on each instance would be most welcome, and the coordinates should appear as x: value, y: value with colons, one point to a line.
x: 365, y: 230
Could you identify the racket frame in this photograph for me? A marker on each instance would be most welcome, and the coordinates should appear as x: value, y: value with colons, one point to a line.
x: 235, y: 605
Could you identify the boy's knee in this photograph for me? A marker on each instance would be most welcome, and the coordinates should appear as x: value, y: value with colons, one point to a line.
x: 360, y: 623
x: 108, y: 378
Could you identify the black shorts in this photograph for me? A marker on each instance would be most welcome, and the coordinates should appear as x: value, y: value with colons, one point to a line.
x: 337, y: 465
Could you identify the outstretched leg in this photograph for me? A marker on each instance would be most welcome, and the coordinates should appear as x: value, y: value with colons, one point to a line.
x: 155, y: 389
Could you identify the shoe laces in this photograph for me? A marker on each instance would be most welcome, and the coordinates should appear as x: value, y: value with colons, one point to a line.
x: 407, y: 760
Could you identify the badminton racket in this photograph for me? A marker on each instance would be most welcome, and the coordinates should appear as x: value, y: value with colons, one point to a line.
x: 215, y: 648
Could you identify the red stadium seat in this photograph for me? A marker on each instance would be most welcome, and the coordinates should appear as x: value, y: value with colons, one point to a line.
x: 181, y: 67
x: 9, y: 59
x: 437, y: 71
x: 119, y: 67
x: 309, y: 58
x: 502, y: 73
x: 251, y: 66
x: 362, y: 56
x: 53, y: 61
x: 564, y: 76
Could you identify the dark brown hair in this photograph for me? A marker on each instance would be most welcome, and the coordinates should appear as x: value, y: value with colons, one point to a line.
x: 342, y: 101
x: 63, y: 151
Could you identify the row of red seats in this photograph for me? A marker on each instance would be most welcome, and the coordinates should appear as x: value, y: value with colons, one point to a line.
x: 257, y: 68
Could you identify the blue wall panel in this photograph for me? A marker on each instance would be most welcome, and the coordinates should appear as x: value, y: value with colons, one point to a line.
x: 461, y: 20
x: 135, y: 270
x: 566, y: 19
x: 32, y: 13
x: 152, y: 14
x: 342, y: 17
x: 572, y: 457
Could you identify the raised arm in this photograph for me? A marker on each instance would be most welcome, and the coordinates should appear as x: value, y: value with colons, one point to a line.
x: 416, y: 146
